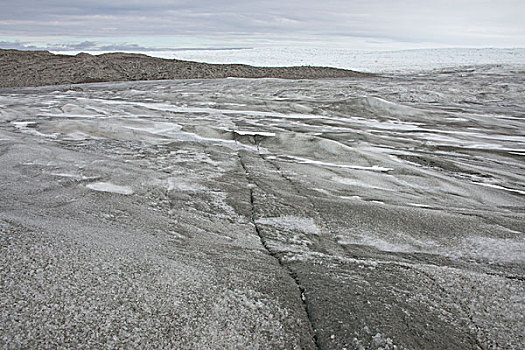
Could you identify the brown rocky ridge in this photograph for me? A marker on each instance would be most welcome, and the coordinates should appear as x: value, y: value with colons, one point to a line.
x: 39, y: 68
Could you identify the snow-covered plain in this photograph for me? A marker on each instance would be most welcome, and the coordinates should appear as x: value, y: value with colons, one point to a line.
x: 402, y: 61
x: 384, y: 212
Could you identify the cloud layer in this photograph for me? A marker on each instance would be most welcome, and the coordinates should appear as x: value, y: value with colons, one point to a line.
x: 248, y: 23
x: 100, y: 46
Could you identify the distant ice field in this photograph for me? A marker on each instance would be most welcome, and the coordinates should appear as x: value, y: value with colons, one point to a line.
x: 404, y: 61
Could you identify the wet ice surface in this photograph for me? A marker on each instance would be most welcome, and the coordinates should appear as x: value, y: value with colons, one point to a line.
x: 394, y: 203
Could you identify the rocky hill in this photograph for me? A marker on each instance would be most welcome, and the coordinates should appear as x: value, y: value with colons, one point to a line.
x: 38, y: 68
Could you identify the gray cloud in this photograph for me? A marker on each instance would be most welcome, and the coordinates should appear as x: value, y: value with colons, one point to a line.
x: 442, y: 22
x: 17, y: 45
x: 98, y: 46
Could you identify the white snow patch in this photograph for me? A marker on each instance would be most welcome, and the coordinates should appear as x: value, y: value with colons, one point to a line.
x: 352, y: 197
x: 26, y: 128
x: 420, y: 205
x: 254, y: 133
x: 346, y: 166
x: 357, y: 183
x: 109, y: 187
x: 292, y: 223
x: 229, y: 143
x: 322, y: 190
x: 74, y: 176
x: 500, y: 187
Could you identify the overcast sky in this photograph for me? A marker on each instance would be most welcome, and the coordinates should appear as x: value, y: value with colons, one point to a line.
x: 359, y: 24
